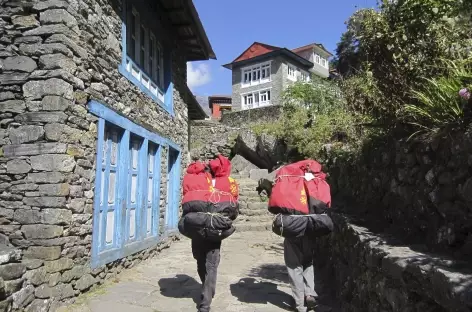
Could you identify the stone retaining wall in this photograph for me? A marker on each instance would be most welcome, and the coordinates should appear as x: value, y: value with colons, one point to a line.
x: 55, y: 56
x: 422, y: 189
x: 375, y: 273
x: 248, y: 117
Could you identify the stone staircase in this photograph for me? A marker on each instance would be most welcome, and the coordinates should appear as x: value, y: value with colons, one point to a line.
x: 253, y: 213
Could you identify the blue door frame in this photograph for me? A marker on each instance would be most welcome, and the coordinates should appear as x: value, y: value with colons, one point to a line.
x: 135, y: 185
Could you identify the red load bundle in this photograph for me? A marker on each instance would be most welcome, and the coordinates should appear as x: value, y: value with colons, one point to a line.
x: 197, y: 189
x: 209, y: 206
x: 301, y: 197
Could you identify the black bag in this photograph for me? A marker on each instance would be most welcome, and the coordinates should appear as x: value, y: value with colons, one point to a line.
x: 292, y: 226
x: 213, y: 227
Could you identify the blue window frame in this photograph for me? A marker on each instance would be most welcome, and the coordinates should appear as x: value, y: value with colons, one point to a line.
x: 127, y: 187
x: 146, y: 56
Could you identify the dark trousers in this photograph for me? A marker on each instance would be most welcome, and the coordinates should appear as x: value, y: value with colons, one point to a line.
x: 207, y: 255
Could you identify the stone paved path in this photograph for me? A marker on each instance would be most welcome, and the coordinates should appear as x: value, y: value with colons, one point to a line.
x: 251, y: 278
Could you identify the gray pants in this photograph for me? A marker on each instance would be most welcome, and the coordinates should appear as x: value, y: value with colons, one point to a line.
x: 298, y: 254
x: 207, y: 255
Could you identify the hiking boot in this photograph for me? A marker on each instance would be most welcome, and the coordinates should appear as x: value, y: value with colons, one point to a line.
x: 311, y: 302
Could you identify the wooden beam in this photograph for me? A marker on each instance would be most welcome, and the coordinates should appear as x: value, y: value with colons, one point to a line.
x: 174, y: 10
x: 182, y: 25
x: 188, y: 37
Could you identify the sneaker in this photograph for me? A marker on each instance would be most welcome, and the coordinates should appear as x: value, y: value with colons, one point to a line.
x: 311, y: 302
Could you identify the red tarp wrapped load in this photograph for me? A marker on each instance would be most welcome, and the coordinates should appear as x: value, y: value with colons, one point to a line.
x: 208, y: 211
x: 300, y: 198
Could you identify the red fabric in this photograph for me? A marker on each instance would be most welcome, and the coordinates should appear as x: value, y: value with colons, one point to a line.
x: 319, y: 189
x: 221, y: 166
x: 227, y: 185
x: 288, y: 194
x: 197, y: 183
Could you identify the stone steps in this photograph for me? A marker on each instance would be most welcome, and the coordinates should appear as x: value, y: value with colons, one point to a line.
x: 254, y: 212
x: 253, y: 226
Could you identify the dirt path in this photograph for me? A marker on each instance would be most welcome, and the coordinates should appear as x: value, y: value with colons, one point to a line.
x: 251, y: 278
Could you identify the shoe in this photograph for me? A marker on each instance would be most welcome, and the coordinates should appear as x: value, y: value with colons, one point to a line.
x: 311, y: 302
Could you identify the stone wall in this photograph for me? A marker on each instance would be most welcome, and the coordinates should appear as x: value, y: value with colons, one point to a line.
x: 233, y: 136
x: 246, y: 118
x: 373, y: 272
x: 419, y: 189
x: 209, y: 138
x: 55, y: 56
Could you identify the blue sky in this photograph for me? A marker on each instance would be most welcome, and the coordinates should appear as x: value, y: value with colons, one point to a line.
x: 232, y: 26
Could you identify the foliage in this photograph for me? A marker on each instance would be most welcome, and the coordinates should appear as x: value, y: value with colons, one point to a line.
x: 437, y: 103
x: 314, y: 114
x: 386, y: 53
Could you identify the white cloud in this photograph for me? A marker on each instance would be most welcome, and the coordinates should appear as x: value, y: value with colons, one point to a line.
x: 197, y: 75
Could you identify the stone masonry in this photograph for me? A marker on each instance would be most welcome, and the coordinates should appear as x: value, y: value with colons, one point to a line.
x: 55, y: 56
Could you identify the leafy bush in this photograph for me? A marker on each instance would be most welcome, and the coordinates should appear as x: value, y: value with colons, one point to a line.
x: 313, y: 115
x: 437, y: 102
x: 396, y: 48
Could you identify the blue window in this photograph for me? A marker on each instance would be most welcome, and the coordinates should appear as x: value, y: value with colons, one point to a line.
x: 128, y: 187
x: 146, y: 56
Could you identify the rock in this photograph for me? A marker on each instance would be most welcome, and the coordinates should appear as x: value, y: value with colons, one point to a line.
x: 50, y: 4
x: 54, y: 189
x: 42, y: 117
x: 12, y: 106
x: 11, y: 271
x: 77, y: 205
x: 53, y: 86
x: 44, y: 253
x: 63, y: 133
x: 75, y: 273
x: 467, y: 190
x: 27, y: 216
x: 50, y: 30
x: 32, y: 264
x: 13, y: 286
x: 60, y: 38
x: 6, y: 96
x: 42, y: 231
x: 55, y: 103
x: 45, y: 201
x: 60, y: 265
x: 46, y: 177
x: 5, y: 305
x: 9, y: 254
x: 25, y: 21
x: 54, y: 279
x: 257, y: 174
x: 57, y: 61
x: 58, y: 292
x: 56, y: 16
x: 57, y: 216
x: 38, y: 305
x: 113, y: 44
x: 38, y: 49
x: 28, y: 40
x: 18, y: 166
x: 25, y: 134
x: 53, y: 162
x: 23, y: 297
x: 37, y: 277
x: 59, y: 241
x: 13, y: 78
x: 85, y: 282
x: 33, y: 149
x: 19, y: 63
x: 100, y: 87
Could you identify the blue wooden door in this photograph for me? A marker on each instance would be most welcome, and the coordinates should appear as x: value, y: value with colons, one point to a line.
x: 173, y: 189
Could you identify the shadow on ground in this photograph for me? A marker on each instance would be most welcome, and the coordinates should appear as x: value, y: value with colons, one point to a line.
x: 248, y: 290
x: 180, y: 286
x: 270, y: 271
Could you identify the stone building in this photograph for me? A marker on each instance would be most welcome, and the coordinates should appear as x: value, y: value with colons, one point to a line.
x: 94, y: 135
x: 262, y: 72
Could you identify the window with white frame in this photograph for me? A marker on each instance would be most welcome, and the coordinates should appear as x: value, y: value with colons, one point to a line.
x: 256, y: 99
x: 323, y: 62
x: 143, y: 60
x: 317, y: 59
x: 256, y: 74
x: 304, y: 76
x: 292, y: 72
